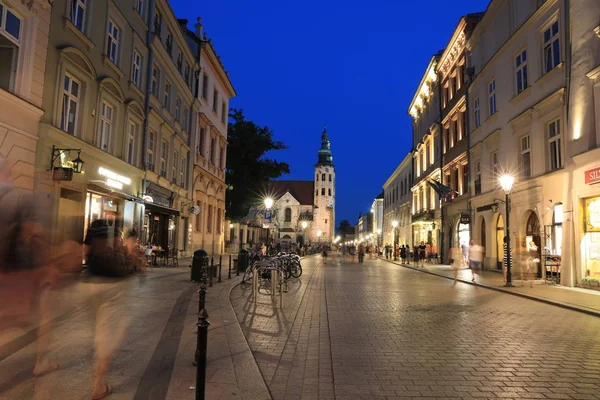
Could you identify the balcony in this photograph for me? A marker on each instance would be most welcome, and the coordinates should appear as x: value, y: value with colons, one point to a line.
x: 424, y: 215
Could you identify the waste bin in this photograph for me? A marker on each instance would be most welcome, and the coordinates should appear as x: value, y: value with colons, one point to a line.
x: 199, y: 261
x: 243, y: 260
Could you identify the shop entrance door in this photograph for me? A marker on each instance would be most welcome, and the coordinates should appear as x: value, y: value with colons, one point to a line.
x: 533, y: 240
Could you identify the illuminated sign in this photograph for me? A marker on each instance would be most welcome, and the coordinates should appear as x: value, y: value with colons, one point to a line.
x: 592, y: 215
x: 113, y: 179
x: 592, y: 176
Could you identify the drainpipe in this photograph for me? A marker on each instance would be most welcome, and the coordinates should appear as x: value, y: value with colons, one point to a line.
x: 149, y: 37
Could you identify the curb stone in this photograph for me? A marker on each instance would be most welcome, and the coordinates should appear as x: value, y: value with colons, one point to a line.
x: 502, y: 290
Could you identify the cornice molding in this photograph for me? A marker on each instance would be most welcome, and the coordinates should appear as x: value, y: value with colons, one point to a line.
x: 36, y: 5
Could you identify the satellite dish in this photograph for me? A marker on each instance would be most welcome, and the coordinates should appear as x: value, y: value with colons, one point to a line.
x: 195, y: 209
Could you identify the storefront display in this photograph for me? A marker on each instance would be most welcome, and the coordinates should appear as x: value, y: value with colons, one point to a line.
x: 552, y: 265
x: 591, y: 240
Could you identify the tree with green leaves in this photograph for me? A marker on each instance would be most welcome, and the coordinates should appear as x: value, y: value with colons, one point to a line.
x: 248, y: 170
x: 344, y: 228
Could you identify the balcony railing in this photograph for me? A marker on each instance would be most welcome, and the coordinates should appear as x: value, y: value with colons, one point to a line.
x: 425, y: 215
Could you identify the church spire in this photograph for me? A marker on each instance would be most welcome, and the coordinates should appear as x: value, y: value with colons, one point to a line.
x: 325, y: 157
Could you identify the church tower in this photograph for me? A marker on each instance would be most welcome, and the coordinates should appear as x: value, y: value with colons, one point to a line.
x: 324, y: 213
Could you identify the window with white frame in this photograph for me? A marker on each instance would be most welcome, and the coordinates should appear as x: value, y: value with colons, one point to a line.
x: 77, y: 13
x: 139, y: 7
x: 182, y: 172
x: 557, y: 235
x: 155, y: 80
x: 555, y: 145
x: 106, y: 122
x: 10, y: 43
x: 526, y: 157
x: 164, y: 151
x: 136, y: 69
x: 495, y: 164
x: 492, y: 97
x: 551, y: 47
x: 177, y: 109
x: 167, y: 96
x: 477, y: 112
x: 174, y: 166
x: 131, y: 140
x: 112, y: 42
x: 521, y: 71
x: 150, y: 151
x: 70, y: 105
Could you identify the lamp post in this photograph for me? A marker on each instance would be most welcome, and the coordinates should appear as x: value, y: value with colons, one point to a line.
x: 268, y: 205
x: 319, y: 233
x: 506, y: 182
x: 394, y: 225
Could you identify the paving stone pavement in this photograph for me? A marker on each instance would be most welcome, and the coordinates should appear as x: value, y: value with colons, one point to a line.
x: 380, y: 331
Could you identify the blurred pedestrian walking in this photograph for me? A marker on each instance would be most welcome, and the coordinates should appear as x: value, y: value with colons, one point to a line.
x: 456, y: 259
x: 475, y: 258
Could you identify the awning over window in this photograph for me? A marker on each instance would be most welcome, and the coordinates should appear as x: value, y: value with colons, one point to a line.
x: 158, y: 209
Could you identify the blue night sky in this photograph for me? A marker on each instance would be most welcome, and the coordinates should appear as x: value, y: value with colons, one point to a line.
x: 353, y: 65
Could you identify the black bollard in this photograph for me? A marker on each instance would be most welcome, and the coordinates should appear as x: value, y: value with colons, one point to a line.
x: 220, y: 265
x: 212, y: 269
x: 201, y: 306
x: 229, y: 268
x: 237, y: 267
x: 201, y: 345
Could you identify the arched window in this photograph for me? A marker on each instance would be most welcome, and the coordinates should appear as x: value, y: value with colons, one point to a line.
x: 322, y: 191
x: 323, y: 177
x: 288, y: 215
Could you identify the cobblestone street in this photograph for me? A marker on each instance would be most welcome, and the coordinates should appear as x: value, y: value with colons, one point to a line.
x: 383, y: 331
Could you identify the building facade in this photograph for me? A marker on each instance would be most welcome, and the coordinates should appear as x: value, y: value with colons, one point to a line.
x: 518, y: 119
x: 214, y: 92
x: 377, y: 211
x: 426, y: 207
x: 24, y: 30
x: 397, y: 204
x: 451, y: 71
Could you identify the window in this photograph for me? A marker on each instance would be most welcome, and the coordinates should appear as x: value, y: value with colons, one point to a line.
x: 174, y: 167
x: 169, y: 43
x: 71, y: 93
x: 164, y: 149
x: 112, y: 45
x: 10, y: 35
x: 322, y: 191
x: 106, y: 120
x: 158, y: 24
x: 205, y: 87
x: 557, y: 234
x: 446, y: 139
x: 323, y: 177
x: 77, y: 13
x: 139, y: 7
x: 329, y: 177
x: 288, y: 215
x: 184, y: 119
x: 551, y: 48
x: 201, y: 140
x: 150, y: 151
x: 177, y: 108
x: 180, y: 62
x: 213, y: 151
x: 218, y: 220
x: 495, y: 164
x: 329, y: 191
x: 477, y: 113
x: 478, y: 177
x: 525, y: 157
x: 136, y: 69
x: 215, y: 100
x: 317, y: 177
x: 131, y: 136
x: 454, y: 130
x: 209, y: 219
x: 555, y: 145
x: 223, y: 158
x: 492, y: 97
x: 182, y: 169
x: 521, y: 68
x: 186, y: 74
x: 465, y: 179
x: 155, y: 80
x: 223, y: 112
x: 199, y: 217
x: 166, y: 100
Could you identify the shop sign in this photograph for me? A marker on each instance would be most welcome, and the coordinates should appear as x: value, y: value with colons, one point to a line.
x: 62, y: 174
x: 592, y: 176
x: 113, y: 179
x: 592, y: 215
x: 465, y: 219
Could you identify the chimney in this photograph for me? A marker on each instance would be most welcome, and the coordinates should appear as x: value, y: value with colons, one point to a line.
x: 199, y: 28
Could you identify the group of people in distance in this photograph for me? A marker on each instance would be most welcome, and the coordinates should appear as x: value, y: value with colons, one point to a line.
x: 419, y: 253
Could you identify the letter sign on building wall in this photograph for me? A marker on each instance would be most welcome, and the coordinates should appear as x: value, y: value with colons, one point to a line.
x: 592, y: 175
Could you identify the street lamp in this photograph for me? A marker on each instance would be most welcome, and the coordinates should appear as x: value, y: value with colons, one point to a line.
x: 394, y: 225
x: 506, y: 182
x: 319, y: 233
x: 304, y: 224
x: 268, y: 205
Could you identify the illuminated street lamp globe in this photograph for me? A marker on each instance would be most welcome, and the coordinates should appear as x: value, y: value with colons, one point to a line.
x: 395, y: 224
x: 268, y: 203
x: 304, y: 224
x: 379, y: 231
x: 506, y: 182
x: 319, y: 233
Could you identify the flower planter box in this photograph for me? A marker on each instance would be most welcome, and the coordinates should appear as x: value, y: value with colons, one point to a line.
x: 595, y: 285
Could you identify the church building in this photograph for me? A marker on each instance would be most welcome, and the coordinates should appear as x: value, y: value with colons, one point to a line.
x: 304, y: 211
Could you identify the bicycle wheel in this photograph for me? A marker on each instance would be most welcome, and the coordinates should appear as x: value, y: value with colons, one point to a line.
x: 296, y: 270
x: 247, y: 277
